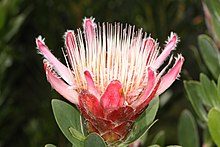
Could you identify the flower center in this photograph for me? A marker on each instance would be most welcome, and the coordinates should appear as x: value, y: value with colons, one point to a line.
x: 113, y: 53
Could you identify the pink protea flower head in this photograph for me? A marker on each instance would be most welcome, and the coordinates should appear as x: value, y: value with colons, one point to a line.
x: 112, y: 74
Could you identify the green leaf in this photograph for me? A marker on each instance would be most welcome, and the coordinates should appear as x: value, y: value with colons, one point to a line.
x: 144, y: 138
x: 213, y: 125
x: 67, y: 117
x: 187, y: 130
x: 144, y: 122
x: 204, y: 96
x: 49, y: 145
x: 210, y: 54
x: 213, y: 6
x: 148, y: 116
x: 76, y: 134
x: 195, y: 96
x: 15, y: 23
x: 154, y: 145
x: 210, y: 91
x: 173, y: 146
x: 159, y: 138
x: 207, y: 139
x: 218, y: 89
x: 3, y: 14
x: 216, y: 27
x: 94, y: 140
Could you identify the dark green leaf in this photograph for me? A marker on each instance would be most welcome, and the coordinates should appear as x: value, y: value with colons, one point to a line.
x: 67, y: 117
x: 210, y: 54
x: 216, y: 27
x: 204, y: 96
x: 218, y: 88
x: 213, y: 6
x: 159, y: 138
x: 187, y: 130
x: 144, y: 122
x: 94, y: 140
x: 207, y: 139
x: 210, y: 91
x: 17, y: 22
x: 144, y: 138
x: 3, y: 14
x: 195, y: 96
x: 49, y: 145
x: 213, y: 124
x: 76, y: 134
x: 155, y: 145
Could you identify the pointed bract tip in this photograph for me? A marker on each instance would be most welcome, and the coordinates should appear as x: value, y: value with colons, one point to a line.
x: 171, y: 44
x: 68, y: 32
x: 180, y: 58
x: 39, y: 41
x: 89, y: 22
x: 172, y: 75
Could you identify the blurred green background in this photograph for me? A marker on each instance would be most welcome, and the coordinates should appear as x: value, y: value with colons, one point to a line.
x: 26, y: 117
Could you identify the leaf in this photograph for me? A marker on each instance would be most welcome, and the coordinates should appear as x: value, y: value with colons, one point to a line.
x: 49, y: 145
x: 216, y: 27
x: 213, y: 6
x: 204, y: 93
x: 154, y: 145
x: 207, y: 139
x: 144, y: 122
x: 218, y: 89
x: 143, y: 138
x: 173, y: 146
x: 67, y: 117
x: 94, y: 140
x: 159, y: 138
x: 210, y: 54
x: 195, y: 96
x: 3, y: 14
x: 148, y: 116
x: 76, y: 134
x: 16, y: 23
x: 187, y: 130
x: 213, y: 125
x: 210, y: 91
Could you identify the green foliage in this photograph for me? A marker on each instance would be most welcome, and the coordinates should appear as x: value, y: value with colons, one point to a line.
x: 68, y: 120
x: 195, y: 97
x: 155, y: 145
x: 213, y: 17
x: 10, y: 19
x: 94, y: 139
x: 213, y: 124
x: 49, y: 145
x: 187, y: 130
x: 159, y: 138
x: 210, y: 54
x: 11, y: 115
x: 203, y: 95
x: 76, y: 134
x: 144, y: 122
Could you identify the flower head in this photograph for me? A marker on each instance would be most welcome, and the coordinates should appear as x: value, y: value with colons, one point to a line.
x: 112, y: 73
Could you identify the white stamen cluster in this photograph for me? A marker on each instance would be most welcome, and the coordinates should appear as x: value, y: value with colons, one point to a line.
x: 115, y: 53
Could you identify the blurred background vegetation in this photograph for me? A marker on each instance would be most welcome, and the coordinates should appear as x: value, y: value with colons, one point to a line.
x: 26, y: 117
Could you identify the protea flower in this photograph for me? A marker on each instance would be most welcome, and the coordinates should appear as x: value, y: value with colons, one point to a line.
x: 112, y: 74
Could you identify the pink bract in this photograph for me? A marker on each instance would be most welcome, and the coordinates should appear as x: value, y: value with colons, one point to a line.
x: 112, y: 74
